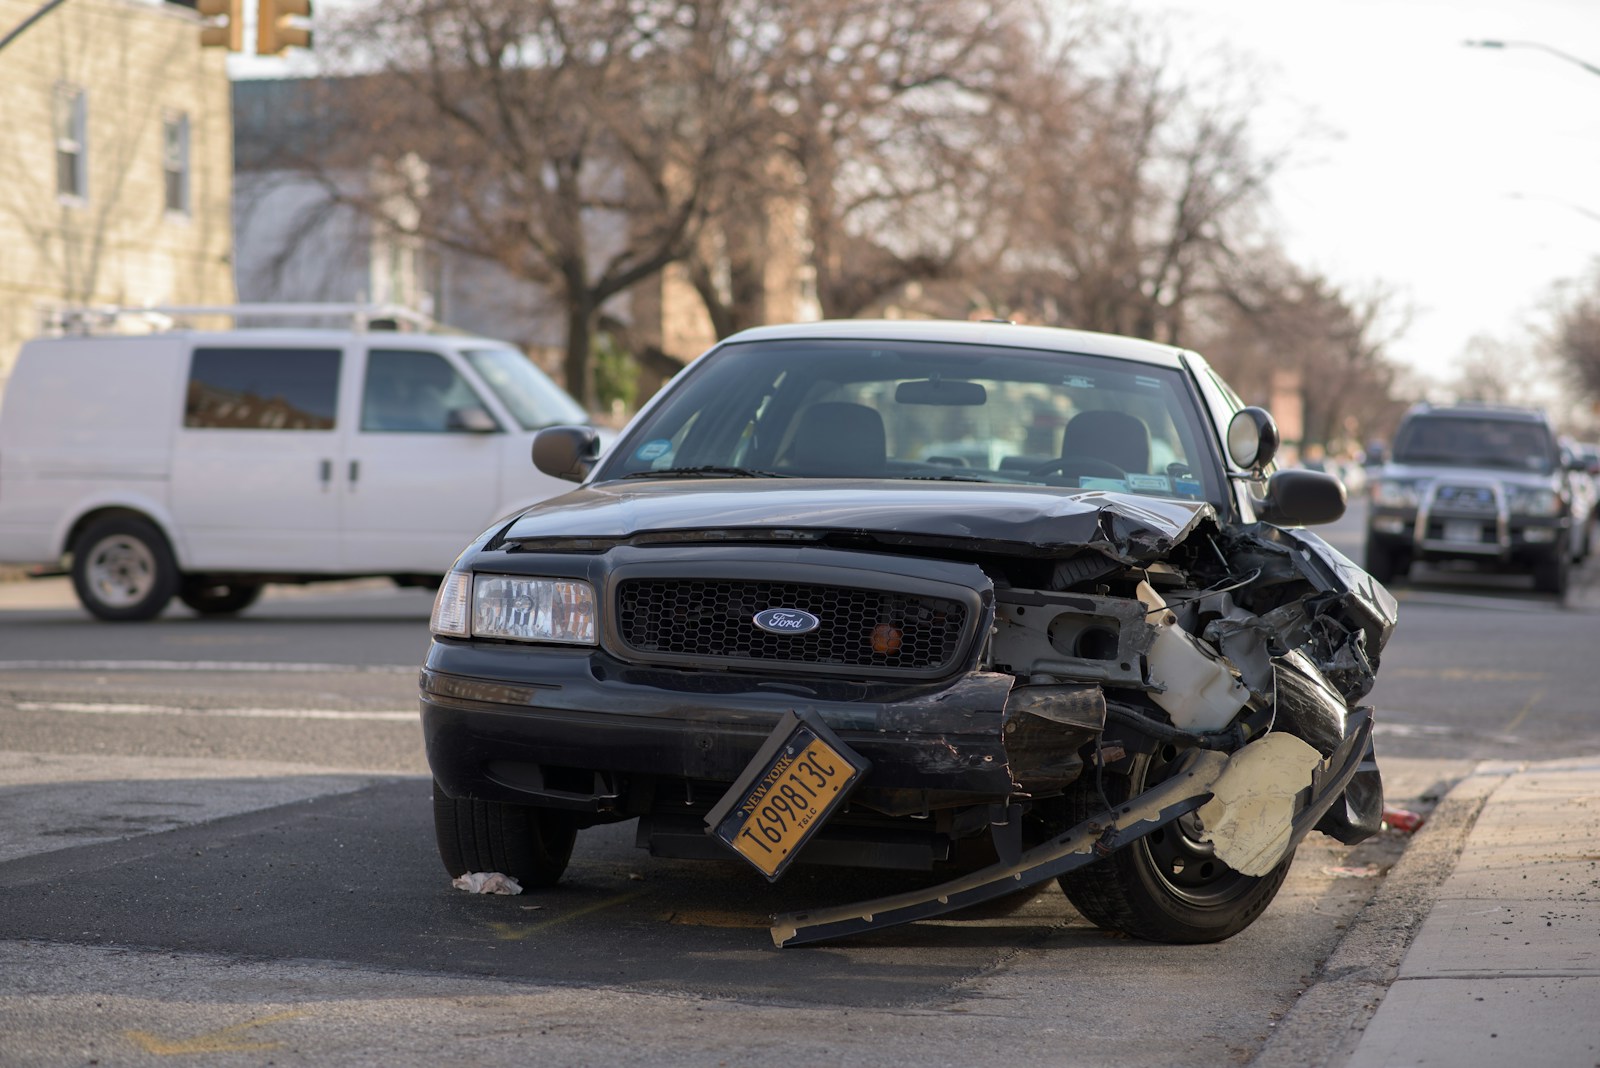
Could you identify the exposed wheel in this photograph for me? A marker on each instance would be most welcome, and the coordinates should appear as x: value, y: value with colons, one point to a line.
x: 1384, y: 562
x: 1167, y: 886
x: 1553, y: 572
x: 532, y: 845
x: 218, y: 598
x: 122, y: 569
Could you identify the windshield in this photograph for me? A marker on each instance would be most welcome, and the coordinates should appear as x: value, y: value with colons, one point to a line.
x: 1476, y: 441
x: 534, y: 400
x: 926, y: 411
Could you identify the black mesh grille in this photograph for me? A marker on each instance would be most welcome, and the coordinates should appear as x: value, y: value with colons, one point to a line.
x: 859, y: 628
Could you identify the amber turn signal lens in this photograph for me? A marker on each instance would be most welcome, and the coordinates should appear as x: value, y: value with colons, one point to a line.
x: 886, y: 639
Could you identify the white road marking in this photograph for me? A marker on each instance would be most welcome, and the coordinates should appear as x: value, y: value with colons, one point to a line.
x: 204, y: 665
x: 123, y: 709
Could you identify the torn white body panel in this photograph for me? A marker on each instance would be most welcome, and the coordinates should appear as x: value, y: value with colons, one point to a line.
x: 1250, y: 817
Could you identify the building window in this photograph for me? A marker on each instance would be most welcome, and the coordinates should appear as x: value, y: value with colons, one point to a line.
x: 175, y: 161
x: 72, y: 155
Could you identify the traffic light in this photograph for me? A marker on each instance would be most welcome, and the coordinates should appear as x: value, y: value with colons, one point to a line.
x: 275, y: 28
x: 224, y: 26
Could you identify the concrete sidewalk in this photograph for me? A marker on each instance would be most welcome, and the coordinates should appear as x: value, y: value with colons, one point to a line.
x: 1506, y: 968
x: 1502, y: 890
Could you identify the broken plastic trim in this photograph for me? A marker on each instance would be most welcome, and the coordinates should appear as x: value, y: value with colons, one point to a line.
x: 1095, y: 837
x: 1087, y: 842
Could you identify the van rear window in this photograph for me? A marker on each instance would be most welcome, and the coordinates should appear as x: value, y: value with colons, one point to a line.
x: 262, y: 389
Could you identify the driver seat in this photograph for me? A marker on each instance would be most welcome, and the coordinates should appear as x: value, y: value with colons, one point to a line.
x: 1113, y: 436
x: 835, y: 438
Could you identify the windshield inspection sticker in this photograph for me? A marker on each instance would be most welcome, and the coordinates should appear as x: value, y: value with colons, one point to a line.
x: 653, y: 450
x: 1078, y: 382
x: 1149, y: 483
x: 1115, y: 485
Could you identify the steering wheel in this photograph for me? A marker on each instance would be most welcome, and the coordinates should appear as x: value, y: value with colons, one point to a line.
x: 1078, y: 466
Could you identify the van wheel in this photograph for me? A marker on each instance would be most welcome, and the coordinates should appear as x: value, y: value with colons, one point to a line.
x: 532, y: 845
x: 218, y: 598
x: 122, y: 569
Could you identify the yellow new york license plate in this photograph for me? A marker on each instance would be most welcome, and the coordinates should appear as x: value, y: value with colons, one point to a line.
x: 793, y: 793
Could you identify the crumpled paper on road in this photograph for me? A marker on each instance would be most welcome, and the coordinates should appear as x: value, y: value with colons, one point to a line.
x: 486, y: 882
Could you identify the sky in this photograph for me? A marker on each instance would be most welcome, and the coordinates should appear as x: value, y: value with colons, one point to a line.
x: 1466, y: 180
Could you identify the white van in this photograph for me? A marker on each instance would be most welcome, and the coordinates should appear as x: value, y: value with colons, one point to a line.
x: 203, y: 464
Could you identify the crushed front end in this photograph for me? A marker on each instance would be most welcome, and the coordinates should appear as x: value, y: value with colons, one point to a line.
x: 1053, y: 693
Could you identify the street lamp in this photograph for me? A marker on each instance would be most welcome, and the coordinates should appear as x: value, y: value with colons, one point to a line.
x: 1590, y: 67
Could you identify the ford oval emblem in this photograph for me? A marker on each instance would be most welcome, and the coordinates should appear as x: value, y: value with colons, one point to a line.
x: 786, y: 621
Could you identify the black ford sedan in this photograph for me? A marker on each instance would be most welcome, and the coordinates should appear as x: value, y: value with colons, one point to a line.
x: 896, y: 594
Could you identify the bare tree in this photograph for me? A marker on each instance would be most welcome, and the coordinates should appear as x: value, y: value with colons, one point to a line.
x: 1134, y: 192
x: 1575, y: 336
x: 1276, y: 317
x: 576, y: 144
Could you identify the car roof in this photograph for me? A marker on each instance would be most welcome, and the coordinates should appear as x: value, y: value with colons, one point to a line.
x: 1510, y: 413
x: 995, y: 333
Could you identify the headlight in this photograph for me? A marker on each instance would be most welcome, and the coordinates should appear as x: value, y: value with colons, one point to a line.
x: 1524, y: 500
x: 1390, y: 493
x: 521, y: 609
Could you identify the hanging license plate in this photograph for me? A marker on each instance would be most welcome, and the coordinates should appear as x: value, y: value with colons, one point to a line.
x: 800, y: 777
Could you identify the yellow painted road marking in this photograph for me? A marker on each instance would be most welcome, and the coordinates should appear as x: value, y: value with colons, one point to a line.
x: 716, y: 918
x: 224, y: 1041
x: 1516, y: 721
x: 516, y: 932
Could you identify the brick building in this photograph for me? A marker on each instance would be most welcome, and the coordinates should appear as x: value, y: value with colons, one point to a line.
x: 115, y: 162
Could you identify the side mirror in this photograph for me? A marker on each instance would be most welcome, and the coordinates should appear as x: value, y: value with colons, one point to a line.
x: 473, y: 420
x: 1252, y: 438
x: 567, y: 452
x: 1299, y: 498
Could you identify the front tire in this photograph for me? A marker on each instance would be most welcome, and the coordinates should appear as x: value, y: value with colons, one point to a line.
x: 1553, y: 572
x: 1167, y: 886
x: 532, y: 845
x: 123, y: 570
x: 1384, y: 562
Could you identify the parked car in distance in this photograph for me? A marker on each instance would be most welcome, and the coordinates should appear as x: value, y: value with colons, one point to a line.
x: 776, y: 622
x: 1583, y: 460
x: 1480, y: 484
x: 203, y: 464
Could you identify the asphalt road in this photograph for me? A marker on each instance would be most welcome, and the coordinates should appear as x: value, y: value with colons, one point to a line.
x: 217, y: 848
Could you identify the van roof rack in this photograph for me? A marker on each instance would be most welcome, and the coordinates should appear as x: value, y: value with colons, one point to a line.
x: 90, y: 319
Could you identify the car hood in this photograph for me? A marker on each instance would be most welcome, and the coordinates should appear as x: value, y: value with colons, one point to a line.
x: 1455, y: 473
x: 1017, y: 519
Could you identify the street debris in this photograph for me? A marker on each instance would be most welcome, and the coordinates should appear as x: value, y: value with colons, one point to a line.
x: 486, y: 882
x: 1403, y: 820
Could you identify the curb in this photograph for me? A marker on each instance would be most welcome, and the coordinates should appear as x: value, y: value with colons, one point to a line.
x: 1326, y: 1024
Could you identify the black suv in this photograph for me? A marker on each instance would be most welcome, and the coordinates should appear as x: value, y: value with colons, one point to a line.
x: 895, y: 594
x: 1476, y: 483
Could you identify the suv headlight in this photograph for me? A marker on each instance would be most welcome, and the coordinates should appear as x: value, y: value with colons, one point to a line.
x: 1394, y: 493
x: 516, y: 608
x: 1527, y: 500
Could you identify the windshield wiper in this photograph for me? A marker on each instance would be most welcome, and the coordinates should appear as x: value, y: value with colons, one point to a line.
x: 706, y: 469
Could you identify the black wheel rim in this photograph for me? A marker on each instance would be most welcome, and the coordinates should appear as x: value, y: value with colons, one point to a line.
x: 1186, y: 867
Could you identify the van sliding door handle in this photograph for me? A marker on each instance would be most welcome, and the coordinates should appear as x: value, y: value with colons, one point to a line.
x: 326, y: 472
x: 355, y: 471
